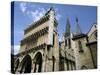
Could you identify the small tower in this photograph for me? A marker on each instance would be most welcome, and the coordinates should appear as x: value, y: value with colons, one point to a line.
x: 68, y: 34
x: 82, y: 53
x: 67, y: 59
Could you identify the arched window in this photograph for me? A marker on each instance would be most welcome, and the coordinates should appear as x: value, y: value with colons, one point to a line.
x: 84, y: 67
x: 80, y: 46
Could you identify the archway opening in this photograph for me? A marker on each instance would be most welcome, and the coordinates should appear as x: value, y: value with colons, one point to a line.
x: 84, y: 67
x: 38, y: 62
x: 26, y: 64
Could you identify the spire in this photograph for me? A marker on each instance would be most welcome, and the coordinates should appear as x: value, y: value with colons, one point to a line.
x: 67, y: 31
x: 78, y: 29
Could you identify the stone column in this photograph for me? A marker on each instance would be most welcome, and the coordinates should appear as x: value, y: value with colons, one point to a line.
x: 45, y: 59
x: 65, y: 65
x: 33, y: 66
x: 43, y: 64
x: 73, y: 65
x: 56, y: 65
x: 50, y: 62
x: 37, y: 67
x: 69, y: 65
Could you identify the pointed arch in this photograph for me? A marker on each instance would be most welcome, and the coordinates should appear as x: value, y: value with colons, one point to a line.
x: 38, y: 62
x: 26, y: 64
x: 84, y: 67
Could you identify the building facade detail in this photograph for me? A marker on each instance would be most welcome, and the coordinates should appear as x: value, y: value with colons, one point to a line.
x: 41, y: 51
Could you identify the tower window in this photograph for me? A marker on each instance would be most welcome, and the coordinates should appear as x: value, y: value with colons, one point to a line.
x: 53, y: 39
x: 80, y: 46
x: 65, y: 42
x: 69, y: 42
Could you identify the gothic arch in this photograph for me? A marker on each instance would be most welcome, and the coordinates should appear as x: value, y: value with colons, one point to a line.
x: 26, y: 64
x: 38, y: 62
x: 84, y: 67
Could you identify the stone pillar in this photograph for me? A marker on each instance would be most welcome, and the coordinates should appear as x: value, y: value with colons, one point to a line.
x: 56, y: 52
x: 37, y: 67
x: 65, y: 65
x: 49, y: 62
x: 56, y: 66
x: 43, y: 65
x: 73, y: 65
x: 33, y: 66
x: 50, y: 65
x: 69, y: 65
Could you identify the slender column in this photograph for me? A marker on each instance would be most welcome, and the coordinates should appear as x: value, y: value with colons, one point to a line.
x: 33, y: 67
x: 65, y: 65
x: 43, y: 61
x: 73, y: 65
x: 37, y: 67
x: 45, y: 55
x: 50, y: 64
x: 69, y: 65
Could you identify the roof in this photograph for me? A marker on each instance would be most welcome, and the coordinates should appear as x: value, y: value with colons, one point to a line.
x: 40, y: 21
x: 91, y: 43
x: 78, y: 36
x: 37, y: 23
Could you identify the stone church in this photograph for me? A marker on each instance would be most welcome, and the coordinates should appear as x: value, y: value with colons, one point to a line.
x: 41, y: 50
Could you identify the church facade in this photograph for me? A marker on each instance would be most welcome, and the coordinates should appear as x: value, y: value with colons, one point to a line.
x: 41, y: 51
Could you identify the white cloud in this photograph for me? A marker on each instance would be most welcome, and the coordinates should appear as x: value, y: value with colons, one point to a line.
x: 60, y: 38
x: 58, y: 16
x: 15, y: 49
x: 37, y: 14
x: 23, y: 6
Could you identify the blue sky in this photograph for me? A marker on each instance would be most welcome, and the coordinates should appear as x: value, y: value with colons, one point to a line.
x: 26, y: 13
